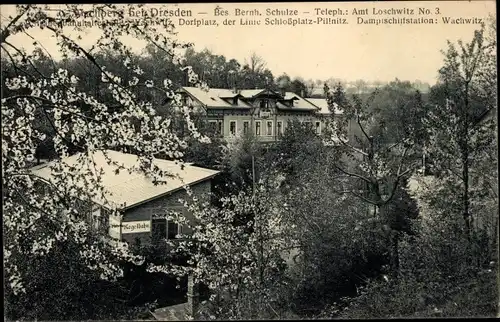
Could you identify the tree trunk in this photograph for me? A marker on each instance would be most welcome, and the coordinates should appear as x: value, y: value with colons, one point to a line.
x: 464, y: 143
x: 496, y: 244
x: 393, y: 240
x: 395, y: 252
x: 193, y: 297
x: 466, y: 202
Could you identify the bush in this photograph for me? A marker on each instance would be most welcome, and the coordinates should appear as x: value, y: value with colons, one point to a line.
x: 426, y: 294
x: 63, y: 288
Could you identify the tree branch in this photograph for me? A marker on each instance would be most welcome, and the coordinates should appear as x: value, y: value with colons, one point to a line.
x: 353, y: 148
x: 48, y: 53
x: 353, y: 174
x: 375, y: 203
x: 24, y: 57
x: 50, y: 103
x: 399, y: 175
x: 5, y: 32
x: 14, y: 63
x: 358, y: 121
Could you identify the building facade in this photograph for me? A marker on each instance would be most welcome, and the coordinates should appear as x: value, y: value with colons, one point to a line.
x: 262, y: 112
x: 153, y: 217
x: 136, y: 209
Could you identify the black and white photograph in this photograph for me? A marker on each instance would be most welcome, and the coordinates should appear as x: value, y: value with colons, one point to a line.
x: 250, y: 161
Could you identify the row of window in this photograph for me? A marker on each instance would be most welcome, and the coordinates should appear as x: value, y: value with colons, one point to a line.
x: 162, y: 228
x: 268, y: 130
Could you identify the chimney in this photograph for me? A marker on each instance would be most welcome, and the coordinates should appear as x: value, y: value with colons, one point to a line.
x: 283, y: 92
x: 302, y: 93
x: 232, y: 80
x: 235, y: 86
x: 193, y: 297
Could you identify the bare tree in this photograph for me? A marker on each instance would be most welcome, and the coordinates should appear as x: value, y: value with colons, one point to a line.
x: 256, y: 63
x: 310, y: 87
x: 360, y: 85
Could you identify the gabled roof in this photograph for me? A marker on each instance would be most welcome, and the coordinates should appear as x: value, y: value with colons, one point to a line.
x: 322, y: 104
x: 126, y: 190
x: 299, y: 103
x: 291, y: 96
x: 222, y: 98
x: 215, y: 97
x: 252, y: 93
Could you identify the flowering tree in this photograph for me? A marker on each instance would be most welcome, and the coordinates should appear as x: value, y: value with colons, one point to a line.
x: 238, y: 251
x: 40, y: 218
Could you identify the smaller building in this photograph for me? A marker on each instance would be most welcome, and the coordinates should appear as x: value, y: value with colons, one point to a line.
x: 142, y: 204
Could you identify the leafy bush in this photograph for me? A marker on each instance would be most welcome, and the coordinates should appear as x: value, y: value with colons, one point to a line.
x: 62, y: 287
x: 426, y: 294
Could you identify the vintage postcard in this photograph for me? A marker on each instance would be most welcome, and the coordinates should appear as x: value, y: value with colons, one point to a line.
x: 240, y: 161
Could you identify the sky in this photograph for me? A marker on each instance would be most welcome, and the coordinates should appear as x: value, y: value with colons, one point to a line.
x: 320, y: 51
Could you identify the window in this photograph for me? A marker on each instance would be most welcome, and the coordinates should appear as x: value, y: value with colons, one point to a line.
x: 318, y: 127
x: 163, y: 228
x: 96, y: 218
x: 216, y: 126
x: 181, y: 126
x: 257, y: 127
x: 235, y: 100
x: 159, y: 229
x: 246, y: 126
x: 173, y: 229
x: 219, y: 128
x: 279, y: 126
x: 263, y: 104
x: 269, y: 128
x: 232, y: 127
x: 213, y: 125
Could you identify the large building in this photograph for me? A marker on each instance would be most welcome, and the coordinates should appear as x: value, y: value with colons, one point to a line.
x: 262, y: 112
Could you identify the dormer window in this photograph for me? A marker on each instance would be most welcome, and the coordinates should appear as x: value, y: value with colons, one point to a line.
x: 235, y: 100
x: 263, y: 104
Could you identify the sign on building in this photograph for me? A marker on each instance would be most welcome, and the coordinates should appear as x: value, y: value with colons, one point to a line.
x: 114, y: 227
x: 117, y: 227
x: 133, y: 227
x: 265, y: 114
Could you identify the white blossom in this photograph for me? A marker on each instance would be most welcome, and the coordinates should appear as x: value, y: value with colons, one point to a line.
x: 74, y: 79
x: 134, y: 81
x: 135, y: 125
x: 138, y: 71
